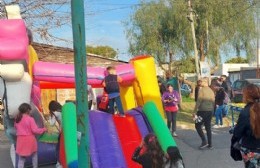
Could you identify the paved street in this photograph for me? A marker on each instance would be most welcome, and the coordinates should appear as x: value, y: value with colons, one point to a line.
x: 188, y: 142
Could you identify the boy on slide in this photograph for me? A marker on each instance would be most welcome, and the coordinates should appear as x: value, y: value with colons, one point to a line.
x: 111, y: 84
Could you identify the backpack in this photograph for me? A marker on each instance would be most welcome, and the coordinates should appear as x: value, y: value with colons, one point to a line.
x: 103, y: 105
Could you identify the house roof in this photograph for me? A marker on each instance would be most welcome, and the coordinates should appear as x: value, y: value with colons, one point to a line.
x: 50, y: 53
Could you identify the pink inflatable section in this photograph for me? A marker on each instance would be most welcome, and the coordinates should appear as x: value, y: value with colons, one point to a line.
x: 57, y: 72
x: 13, y: 40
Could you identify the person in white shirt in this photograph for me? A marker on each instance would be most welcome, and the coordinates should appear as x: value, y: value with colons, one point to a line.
x: 55, y: 113
x: 55, y: 116
x: 91, y: 97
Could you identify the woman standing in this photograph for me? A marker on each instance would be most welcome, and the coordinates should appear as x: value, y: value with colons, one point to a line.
x: 247, y: 130
x: 220, y: 107
x: 197, y: 88
x: 171, y: 99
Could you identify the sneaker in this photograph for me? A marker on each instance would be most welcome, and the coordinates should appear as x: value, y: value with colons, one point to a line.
x: 221, y: 126
x: 174, y: 134
x: 122, y: 115
x: 58, y: 165
x: 210, y: 147
x: 215, y: 126
x: 203, y: 145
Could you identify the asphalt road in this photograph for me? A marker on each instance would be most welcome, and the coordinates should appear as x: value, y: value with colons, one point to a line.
x: 188, y: 142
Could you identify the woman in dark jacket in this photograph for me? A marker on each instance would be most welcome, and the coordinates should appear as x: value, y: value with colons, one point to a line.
x: 219, y: 102
x: 247, y: 129
x: 197, y: 88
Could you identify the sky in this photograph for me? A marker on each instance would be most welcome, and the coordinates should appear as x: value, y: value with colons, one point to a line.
x: 103, y: 25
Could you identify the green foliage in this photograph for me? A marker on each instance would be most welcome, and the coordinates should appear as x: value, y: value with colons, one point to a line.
x: 185, y: 65
x: 237, y: 60
x: 161, y: 27
x: 105, y: 51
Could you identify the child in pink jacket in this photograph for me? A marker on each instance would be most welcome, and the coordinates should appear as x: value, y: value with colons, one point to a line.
x: 26, y: 128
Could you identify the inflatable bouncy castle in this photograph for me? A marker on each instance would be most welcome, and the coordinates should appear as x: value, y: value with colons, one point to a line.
x: 112, y: 138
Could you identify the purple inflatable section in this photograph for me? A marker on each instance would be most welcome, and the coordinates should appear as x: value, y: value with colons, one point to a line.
x: 141, y: 120
x: 105, y: 147
x: 46, y: 155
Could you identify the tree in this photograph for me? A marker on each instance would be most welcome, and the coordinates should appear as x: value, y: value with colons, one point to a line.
x: 161, y: 27
x: 43, y: 17
x: 237, y: 60
x: 105, y: 51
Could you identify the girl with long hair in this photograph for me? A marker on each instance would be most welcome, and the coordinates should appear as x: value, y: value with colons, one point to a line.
x: 26, y: 129
x: 247, y: 130
x: 149, y: 154
x: 173, y: 158
x: 56, y: 117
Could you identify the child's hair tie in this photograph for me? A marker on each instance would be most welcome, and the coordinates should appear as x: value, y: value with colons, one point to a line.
x: 257, y: 100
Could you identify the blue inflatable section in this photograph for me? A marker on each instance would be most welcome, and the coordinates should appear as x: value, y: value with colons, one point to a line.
x: 46, y: 155
x: 141, y: 120
x: 105, y: 147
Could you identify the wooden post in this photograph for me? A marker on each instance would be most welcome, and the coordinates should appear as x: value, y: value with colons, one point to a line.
x: 80, y: 61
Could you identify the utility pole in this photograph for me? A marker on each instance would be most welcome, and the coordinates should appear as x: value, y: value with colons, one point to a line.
x: 258, y: 45
x: 170, y: 63
x: 191, y: 19
x: 207, y: 34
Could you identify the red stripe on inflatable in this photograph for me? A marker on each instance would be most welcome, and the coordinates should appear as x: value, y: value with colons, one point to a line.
x: 63, y: 161
x: 56, y: 85
x: 60, y: 85
x: 129, y: 136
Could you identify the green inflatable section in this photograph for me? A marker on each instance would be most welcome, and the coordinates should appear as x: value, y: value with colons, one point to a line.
x: 158, y: 125
x: 49, y: 138
x: 69, y: 126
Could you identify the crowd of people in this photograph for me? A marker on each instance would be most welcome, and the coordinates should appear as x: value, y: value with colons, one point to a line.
x: 213, y: 99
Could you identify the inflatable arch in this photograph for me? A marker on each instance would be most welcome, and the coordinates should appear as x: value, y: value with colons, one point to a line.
x: 115, y: 138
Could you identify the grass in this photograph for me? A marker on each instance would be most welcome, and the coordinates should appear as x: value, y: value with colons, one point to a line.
x: 187, y: 99
x: 184, y: 118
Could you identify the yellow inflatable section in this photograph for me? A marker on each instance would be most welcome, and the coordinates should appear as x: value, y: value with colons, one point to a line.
x: 127, y: 97
x: 146, y: 86
x: 33, y: 57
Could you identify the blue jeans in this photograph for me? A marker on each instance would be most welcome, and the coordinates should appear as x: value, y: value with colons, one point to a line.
x: 225, y: 110
x: 119, y: 105
x: 219, y: 115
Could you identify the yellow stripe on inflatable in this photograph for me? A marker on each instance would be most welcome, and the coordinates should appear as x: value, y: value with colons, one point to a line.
x: 33, y: 57
x: 127, y: 97
x: 146, y: 86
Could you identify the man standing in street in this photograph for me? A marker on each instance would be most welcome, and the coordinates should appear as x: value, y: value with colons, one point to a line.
x: 203, y: 113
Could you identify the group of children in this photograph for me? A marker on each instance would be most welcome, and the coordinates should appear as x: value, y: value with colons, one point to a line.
x: 26, y: 128
x: 150, y: 154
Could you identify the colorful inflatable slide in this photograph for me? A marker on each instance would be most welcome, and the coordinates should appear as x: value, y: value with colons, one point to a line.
x: 112, y: 139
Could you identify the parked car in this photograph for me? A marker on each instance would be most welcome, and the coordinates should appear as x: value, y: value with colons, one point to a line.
x: 237, y: 88
x: 185, y: 90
